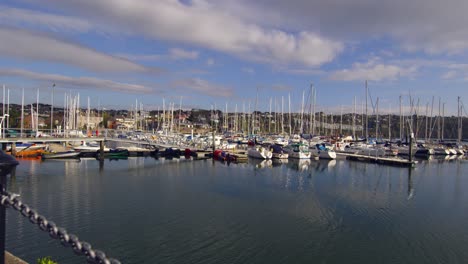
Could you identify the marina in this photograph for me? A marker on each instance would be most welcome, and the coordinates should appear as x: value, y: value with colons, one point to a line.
x: 233, y: 132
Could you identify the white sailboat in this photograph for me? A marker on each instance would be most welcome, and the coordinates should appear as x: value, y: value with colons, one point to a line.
x: 259, y: 152
x: 321, y: 151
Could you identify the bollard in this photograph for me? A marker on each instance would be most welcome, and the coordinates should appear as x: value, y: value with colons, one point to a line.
x: 13, y: 149
x: 101, y: 150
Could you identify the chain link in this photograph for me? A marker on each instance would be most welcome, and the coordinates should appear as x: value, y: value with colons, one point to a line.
x: 68, y: 240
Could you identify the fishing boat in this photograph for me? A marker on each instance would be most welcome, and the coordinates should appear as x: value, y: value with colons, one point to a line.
x: 60, y: 155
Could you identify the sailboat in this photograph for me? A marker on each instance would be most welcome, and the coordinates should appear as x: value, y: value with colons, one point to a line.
x: 321, y: 151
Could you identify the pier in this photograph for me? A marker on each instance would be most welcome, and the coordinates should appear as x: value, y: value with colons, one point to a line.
x: 380, y: 160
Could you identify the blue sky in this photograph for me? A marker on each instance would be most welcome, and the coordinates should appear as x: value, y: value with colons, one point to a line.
x: 212, y: 53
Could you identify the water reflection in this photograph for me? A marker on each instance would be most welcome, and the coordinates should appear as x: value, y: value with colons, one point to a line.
x: 279, y: 162
x: 323, y: 165
x: 209, y: 212
x: 260, y: 164
x: 299, y: 164
x: 410, y: 184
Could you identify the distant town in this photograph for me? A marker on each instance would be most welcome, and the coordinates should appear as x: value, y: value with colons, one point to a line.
x: 202, y: 121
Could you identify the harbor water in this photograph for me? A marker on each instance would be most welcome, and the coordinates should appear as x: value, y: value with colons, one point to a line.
x: 146, y: 210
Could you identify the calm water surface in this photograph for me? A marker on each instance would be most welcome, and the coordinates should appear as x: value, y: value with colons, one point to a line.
x: 143, y: 210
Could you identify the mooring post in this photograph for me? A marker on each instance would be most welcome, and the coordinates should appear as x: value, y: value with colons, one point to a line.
x: 101, y: 150
x: 411, y: 148
x: 13, y: 149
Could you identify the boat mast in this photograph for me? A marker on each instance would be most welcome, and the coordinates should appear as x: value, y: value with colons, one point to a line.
x: 401, y: 120
x: 52, y: 109
x: 367, y: 118
x: 313, y: 119
x: 302, y: 114
x: 459, y: 130
x: 180, y: 113
x: 341, y: 120
x: 3, y: 110
x: 427, y: 117
x: 289, y: 99
x: 377, y: 120
x: 438, y: 123
x: 236, y: 121
x: 22, y: 112
x: 310, y: 109
x: 37, y: 113
x: 443, y: 121
x: 282, y: 113
x: 8, y: 109
x: 354, y: 119
x: 389, y: 123
x: 87, y: 118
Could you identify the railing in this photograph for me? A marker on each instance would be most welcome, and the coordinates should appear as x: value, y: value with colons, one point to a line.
x: 11, y: 200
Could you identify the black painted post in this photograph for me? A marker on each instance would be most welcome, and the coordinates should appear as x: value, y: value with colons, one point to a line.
x: 101, y: 150
x: 8, y: 166
x: 411, y: 148
x: 13, y: 149
x: 3, y: 180
x: 2, y: 221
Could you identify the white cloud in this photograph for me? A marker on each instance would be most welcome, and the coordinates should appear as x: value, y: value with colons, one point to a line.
x: 204, y: 24
x: 456, y: 70
x: 248, y: 70
x: 173, y: 54
x: 449, y: 75
x: 22, y: 17
x: 204, y: 87
x: 76, y: 82
x: 210, y: 62
x: 417, y: 25
x: 21, y: 44
x: 282, y: 88
x: 141, y: 57
x: 180, y: 54
x: 373, y: 70
x: 302, y: 71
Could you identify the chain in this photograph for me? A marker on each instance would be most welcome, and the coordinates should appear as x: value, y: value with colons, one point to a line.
x: 79, y: 247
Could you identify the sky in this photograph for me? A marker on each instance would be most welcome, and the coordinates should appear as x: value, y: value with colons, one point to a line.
x: 256, y: 55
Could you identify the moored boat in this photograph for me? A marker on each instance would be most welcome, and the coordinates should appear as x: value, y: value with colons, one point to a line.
x: 279, y: 152
x: 259, y: 152
x: 61, y: 155
x: 322, y: 152
x: 298, y: 151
